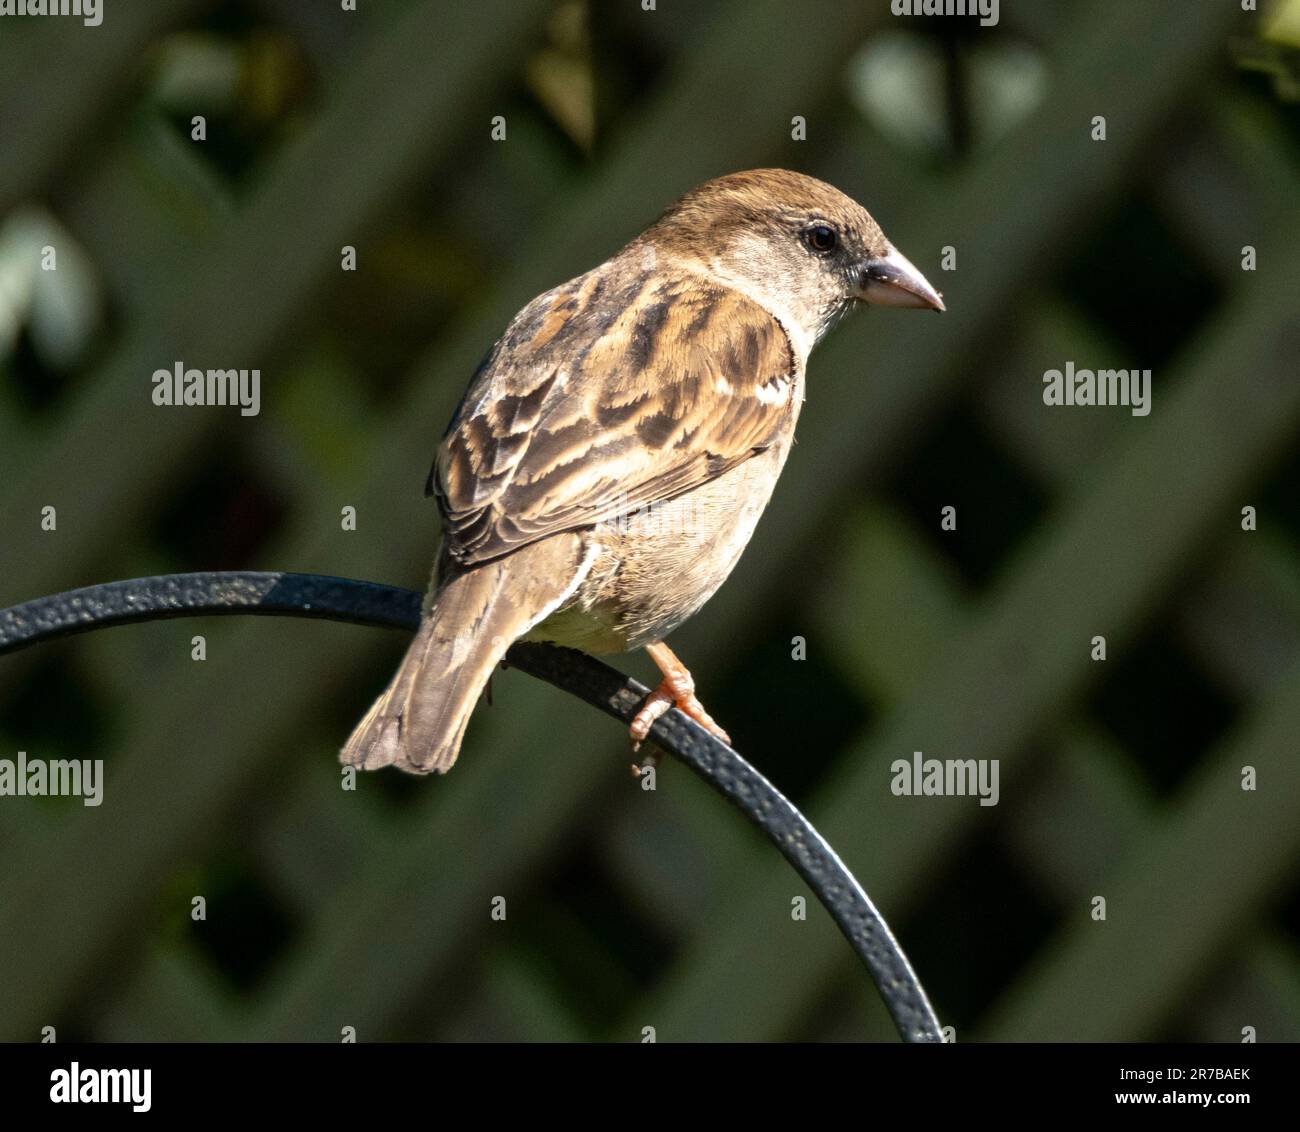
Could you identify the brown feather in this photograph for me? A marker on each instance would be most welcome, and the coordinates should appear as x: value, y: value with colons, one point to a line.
x: 419, y: 721
x: 663, y: 394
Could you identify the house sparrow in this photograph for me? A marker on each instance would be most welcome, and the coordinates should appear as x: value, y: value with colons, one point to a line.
x: 614, y: 451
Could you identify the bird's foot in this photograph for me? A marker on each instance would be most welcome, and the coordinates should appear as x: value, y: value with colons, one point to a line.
x: 677, y: 689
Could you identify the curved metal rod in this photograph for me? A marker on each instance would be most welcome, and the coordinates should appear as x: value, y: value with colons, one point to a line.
x: 369, y: 603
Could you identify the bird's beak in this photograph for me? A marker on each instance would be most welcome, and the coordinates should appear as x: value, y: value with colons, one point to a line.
x: 890, y: 280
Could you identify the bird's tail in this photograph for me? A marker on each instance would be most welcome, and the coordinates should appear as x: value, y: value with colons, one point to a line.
x: 418, y: 723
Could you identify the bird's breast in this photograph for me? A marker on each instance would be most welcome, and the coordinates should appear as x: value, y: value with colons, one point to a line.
x: 657, y: 566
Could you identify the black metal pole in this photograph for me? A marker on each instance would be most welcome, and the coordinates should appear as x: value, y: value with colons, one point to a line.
x: 369, y: 603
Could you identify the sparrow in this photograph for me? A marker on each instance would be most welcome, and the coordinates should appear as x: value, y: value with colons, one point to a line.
x: 614, y: 451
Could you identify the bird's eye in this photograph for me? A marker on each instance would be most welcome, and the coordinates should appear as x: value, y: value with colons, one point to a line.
x: 821, y: 238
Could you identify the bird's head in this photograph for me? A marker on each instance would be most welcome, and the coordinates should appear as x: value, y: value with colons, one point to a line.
x: 796, y: 244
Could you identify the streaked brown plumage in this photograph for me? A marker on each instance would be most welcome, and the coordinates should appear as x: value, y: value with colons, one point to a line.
x: 612, y: 455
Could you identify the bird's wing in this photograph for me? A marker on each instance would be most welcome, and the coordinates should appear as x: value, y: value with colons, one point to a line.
x: 604, y: 397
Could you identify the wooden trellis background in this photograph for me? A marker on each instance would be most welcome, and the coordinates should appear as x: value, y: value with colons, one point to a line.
x: 329, y: 909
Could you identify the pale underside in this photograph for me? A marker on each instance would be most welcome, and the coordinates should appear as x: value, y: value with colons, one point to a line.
x: 683, y: 549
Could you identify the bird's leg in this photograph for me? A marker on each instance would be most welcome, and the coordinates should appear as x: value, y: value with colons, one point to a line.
x: 676, y: 690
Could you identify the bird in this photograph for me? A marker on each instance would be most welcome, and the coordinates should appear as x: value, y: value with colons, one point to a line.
x: 613, y: 452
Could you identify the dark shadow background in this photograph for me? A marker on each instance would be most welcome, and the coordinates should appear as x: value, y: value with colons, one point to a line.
x: 1119, y: 778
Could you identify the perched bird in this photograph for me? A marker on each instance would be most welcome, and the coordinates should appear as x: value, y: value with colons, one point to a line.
x: 615, y: 449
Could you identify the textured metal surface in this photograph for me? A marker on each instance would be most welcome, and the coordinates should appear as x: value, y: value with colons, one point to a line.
x: 369, y: 603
